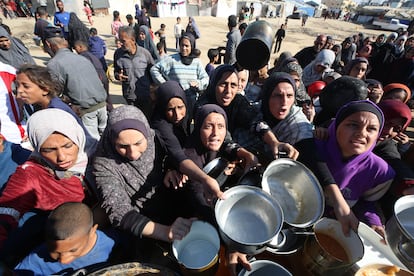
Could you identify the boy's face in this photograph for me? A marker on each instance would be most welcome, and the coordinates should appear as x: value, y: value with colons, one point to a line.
x: 66, y: 251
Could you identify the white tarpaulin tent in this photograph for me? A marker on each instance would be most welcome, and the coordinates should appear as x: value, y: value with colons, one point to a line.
x: 172, y: 8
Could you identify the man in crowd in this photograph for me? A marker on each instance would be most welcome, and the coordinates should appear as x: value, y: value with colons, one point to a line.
x: 233, y: 40
x: 306, y: 55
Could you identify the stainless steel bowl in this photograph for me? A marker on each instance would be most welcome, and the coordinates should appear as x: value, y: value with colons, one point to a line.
x: 296, y: 189
x: 248, y: 219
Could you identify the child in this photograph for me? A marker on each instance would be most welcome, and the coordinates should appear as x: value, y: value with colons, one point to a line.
x: 72, y: 242
x: 97, y: 47
x: 116, y: 23
x: 161, y: 35
x: 178, y: 29
x: 213, y: 55
x: 88, y: 12
x: 160, y: 47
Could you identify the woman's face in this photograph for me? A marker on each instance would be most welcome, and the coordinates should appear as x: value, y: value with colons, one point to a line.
x: 227, y: 88
x: 375, y: 92
x: 185, y: 47
x: 29, y: 92
x: 5, y: 43
x: 281, y: 100
x: 357, y: 133
x: 213, y: 131
x: 131, y: 144
x: 142, y: 35
x: 176, y: 110
x: 243, y: 79
x: 59, y: 151
x: 359, y: 70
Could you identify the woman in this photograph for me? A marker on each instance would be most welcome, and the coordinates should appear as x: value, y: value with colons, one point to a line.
x: 192, y: 28
x: 13, y: 51
x: 185, y: 68
x: 205, y: 144
x: 402, y: 69
x: 361, y: 176
x: 145, y: 40
x: 170, y: 122
x: 348, y: 50
x: 36, y: 87
x: 244, y: 124
x: 289, y: 124
x: 128, y: 171
x: 53, y: 175
x: 321, y: 64
x: 375, y: 90
x: 357, y: 68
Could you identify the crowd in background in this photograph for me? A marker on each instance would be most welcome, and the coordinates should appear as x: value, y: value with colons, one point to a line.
x: 340, y: 107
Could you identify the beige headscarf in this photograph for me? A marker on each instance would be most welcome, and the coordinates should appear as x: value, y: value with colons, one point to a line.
x: 45, y: 122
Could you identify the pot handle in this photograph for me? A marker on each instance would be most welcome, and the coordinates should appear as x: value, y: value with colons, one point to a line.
x: 402, y: 251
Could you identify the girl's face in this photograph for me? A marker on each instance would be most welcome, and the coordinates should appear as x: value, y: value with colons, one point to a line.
x: 213, y: 131
x: 29, y: 92
x: 142, y: 35
x: 357, y: 133
x: 185, y: 47
x: 176, y: 110
x: 59, y: 151
x: 281, y: 100
x: 227, y: 88
x: 359, y: 70
x: 131, y: 144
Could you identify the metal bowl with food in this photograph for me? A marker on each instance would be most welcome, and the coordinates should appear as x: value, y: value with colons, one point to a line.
x: 296, y: 189
x: 382, y: 270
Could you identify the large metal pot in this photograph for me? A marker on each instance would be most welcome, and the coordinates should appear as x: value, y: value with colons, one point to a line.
x: 265, y: 267
x: 297, y: 191
x: 400, y: 231
x: 253, y: 51
x: 248, y: 219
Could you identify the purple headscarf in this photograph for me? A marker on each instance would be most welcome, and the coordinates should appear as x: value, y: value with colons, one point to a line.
x: 362, y: 172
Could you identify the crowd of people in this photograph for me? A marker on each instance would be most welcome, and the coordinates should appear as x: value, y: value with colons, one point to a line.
x: 82, y: 181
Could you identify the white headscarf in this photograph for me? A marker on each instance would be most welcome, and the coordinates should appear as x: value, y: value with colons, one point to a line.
x: 45, y: 122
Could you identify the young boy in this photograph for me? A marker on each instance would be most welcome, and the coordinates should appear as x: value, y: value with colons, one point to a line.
x: 162, y: 36
x: 72, y: 242
x: 213, y: 55
x: 160, y: 47
x: 97, y: 47
x: 178, y: 29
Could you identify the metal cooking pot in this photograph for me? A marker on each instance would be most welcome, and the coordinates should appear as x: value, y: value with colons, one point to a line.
x: 253, y: 51
x: 297, y: 191
x: 216, y: 169
x: 248, y: 219
x: 198, y: 251
x: 400, y: 231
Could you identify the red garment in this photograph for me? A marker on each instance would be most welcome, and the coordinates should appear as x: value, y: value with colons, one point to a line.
x: 33, y: 186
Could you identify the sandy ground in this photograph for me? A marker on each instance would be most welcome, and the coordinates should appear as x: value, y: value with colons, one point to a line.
x: 213, y: 34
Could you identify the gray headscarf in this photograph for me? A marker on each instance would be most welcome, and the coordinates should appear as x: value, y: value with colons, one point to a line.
x: 18, y: 54
x: 45, y: 122
x: 294, y: 67
x: 135, y: 180
x: 325, y: 58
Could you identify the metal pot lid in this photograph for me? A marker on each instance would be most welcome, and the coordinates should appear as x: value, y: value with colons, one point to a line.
x: 296, y: 189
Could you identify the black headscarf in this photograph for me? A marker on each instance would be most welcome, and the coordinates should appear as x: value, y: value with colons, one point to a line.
x: 188, y: 59
x: 267, y: 90
x: 215, y: 78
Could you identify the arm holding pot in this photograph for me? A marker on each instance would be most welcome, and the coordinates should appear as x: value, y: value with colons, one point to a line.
x: 234, y: 258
